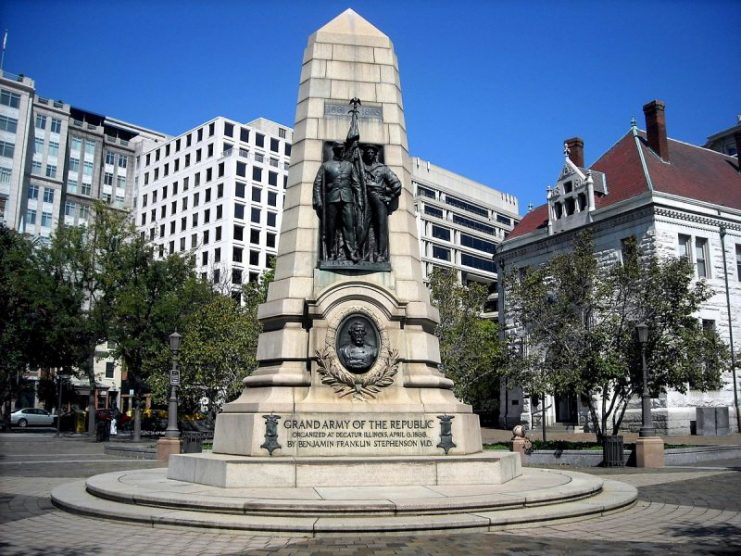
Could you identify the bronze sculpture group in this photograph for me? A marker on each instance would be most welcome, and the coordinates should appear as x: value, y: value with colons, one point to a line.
x: 354, y: 193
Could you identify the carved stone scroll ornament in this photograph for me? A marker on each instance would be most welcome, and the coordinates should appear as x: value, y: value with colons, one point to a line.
x: 361, y: 387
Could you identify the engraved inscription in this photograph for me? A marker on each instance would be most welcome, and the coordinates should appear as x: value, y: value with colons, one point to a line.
x: 364, y: 112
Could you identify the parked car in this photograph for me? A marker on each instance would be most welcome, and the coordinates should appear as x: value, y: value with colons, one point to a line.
x: 32, y: 417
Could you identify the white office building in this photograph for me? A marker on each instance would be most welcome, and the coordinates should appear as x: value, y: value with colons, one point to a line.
x: 216, y: 192
x: 56, y: 160
x: 460, y: 224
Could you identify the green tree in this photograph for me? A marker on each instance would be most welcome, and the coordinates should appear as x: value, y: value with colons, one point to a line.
x: 148, y: 299
x: 471, y: 352
x: 576, y: 330
x: 218, y: 350
x: 39, y: 314
x: 79, y: 259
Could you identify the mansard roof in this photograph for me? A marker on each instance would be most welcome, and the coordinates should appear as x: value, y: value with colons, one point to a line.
x: 692, y: 172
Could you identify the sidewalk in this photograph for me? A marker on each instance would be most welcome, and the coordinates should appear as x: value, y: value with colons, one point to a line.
x: 683, y: 511
x: 490, y: 436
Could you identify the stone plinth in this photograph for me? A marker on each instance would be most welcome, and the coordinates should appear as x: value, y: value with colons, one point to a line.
x: 650, y: 452
x: 167, y: 447
x: 487, y: 468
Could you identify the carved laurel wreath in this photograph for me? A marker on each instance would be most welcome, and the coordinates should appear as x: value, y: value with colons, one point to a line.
x: 345, y: 383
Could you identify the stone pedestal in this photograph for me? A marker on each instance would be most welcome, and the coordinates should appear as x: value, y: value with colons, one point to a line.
x: 518, y: 447
x: 166, y: 447
x: 650, y: 452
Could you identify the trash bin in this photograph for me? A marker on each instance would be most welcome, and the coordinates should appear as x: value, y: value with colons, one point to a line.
x: 103, y: 430
x: 612, y: 451
x: 191, y: 442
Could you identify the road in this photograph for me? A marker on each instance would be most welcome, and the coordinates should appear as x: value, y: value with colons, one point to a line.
x: 689, y: 510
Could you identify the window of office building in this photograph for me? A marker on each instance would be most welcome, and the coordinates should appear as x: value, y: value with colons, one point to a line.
x: 239, y: 211
x: 196, y: 199
x: 476, y: 243
x: 206, y: 216
x: 208, y: 195
x: 182, y: 244
x: 30, y: 217
x: 40, y: 121
x: 48, y: 195
x: 260, y: 140
x: 255, y: 258
x: 256, y: 194
x: 274, y: 145
x: 110, y: 158
x: 440, y: 253
x: 56, y: 125
x: 238, y: 233
x: 241, y: 169
x: 194, y: 219
x: 108, y: 178
x: 209, y: 174
x: 255, y: 215
x: 272, y: 217
x: 273, y: 179
x: 738, y: 262
x: 272, y: 198
x: 255, y: 236
x: 46, y: 219
x: 237, y: 254
x: 256, y: 173
x: 204, y: 258
x: 270, y: 240
x: 70, y: 208
x: 36, y: 167
x: 424, y: 192
x: 473, y: 224
x: 211, y: 129
x: 8, y: 98
x: 477, y: 262
x: 287, y: 149
x: 8, y: 124
x: 236, y: 276
x: 433, y: 211
x: 259, y: 157
x: 172, y: 225
x: 206, y: 237
x: 244, y: 134
x: 7, y: 149
x: 219, y: 212
x: 228, y: 129
x: 33, y: 192
x: 441, y: 233
x: 239, y: 190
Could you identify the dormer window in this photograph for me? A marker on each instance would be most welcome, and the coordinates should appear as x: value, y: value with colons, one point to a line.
x: 568, y: 187
x: 582, y: 202
x: 559, y: 210
x: 570, y: 206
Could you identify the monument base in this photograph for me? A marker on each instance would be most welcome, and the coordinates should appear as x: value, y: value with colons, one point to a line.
x: 650, y: 452
x: 485, y: 468
x: 347, y: 434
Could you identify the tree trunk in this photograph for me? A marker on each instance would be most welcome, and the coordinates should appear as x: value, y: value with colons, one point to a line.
x: 91, y: 395
x: 137, y: 436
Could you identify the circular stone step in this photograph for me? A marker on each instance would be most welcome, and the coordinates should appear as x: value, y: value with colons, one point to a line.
x: 538, y: 495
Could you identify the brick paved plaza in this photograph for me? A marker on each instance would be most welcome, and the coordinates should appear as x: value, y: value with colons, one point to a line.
x: 688, y: 510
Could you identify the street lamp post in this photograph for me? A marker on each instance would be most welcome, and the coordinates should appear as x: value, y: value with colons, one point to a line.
x: 647, y: 428
x: 172, y: 409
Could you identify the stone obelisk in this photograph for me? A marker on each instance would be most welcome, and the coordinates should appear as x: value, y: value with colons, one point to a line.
x: 305, y: 399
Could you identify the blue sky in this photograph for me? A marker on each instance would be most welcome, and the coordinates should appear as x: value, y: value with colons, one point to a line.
x: 491, y: 89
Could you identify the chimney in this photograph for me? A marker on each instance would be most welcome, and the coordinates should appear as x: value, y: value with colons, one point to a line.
x: 656, y: 128
x: 576, y: 150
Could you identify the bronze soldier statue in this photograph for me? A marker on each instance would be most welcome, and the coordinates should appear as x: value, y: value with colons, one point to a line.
x: 382, y: 188
x: 336, y: 194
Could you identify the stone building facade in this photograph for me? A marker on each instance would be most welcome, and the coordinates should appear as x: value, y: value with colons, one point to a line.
x: 676, y: 199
